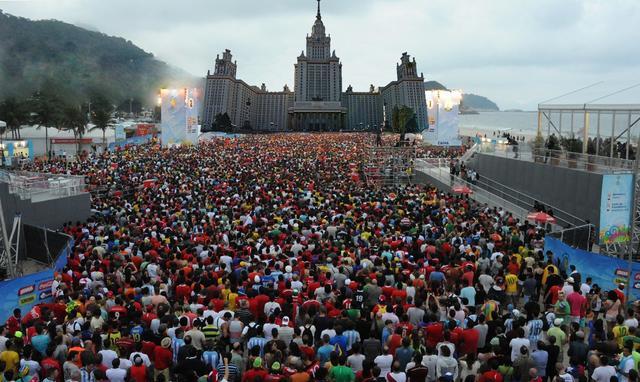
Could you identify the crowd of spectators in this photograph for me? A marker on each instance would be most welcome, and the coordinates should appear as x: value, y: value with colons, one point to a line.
x: 261, y: 259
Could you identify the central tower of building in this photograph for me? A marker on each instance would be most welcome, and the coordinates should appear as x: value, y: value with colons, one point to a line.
x: 318, y: 84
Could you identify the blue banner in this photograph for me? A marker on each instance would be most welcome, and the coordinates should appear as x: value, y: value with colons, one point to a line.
x: 27, y: 291
x: 606, y: 271
x: 137, y: 140
x: 615, y: 208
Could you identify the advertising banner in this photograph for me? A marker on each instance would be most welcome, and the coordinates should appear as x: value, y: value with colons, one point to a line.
x: 615, y: 208
x: 120, y: 134
x: 179, y: 114
x: 28, y: 291
x: 442, y: 114
x: 606, y: 271
x: 25, y: 292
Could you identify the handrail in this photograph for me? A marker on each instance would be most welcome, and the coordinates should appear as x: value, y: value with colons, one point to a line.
x: 469, y: 153
x: 579, y: 161
x: 479, y: 194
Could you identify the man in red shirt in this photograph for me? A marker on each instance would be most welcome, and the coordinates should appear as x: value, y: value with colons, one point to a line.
x: 163, y: 358
x: 434, y: 333
x: 469, y: 340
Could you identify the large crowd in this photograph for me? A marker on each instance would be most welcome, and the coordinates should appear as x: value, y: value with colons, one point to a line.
x: 263, y: 258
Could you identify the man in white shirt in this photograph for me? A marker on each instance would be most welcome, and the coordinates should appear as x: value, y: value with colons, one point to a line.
x: 116, y: 373
x: 517, y: 343
x: 603, y: 372
x: 384, y: 362
x: 108, y: 356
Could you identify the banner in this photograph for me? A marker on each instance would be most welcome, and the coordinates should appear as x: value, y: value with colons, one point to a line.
x: 442, y: 114
x: 133, y: 141
x: 179, y: 115
x: 606, y: 271
x: 28, y: 291
x: 615, y: 208
x: 120, y: 134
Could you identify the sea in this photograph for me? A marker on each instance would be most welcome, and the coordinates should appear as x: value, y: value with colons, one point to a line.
x: 525, y: 123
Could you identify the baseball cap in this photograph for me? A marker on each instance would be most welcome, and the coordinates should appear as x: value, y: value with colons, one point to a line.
x: 257, y: 362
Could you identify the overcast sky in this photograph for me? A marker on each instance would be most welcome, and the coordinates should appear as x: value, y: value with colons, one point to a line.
x: 517, y: 53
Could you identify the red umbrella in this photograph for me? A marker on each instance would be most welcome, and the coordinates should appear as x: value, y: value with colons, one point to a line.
x: 541, y: 217
x: 462, y: 190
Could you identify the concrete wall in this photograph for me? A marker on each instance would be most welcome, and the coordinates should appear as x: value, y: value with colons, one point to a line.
x: 51, y: 214
x: 574, y: 191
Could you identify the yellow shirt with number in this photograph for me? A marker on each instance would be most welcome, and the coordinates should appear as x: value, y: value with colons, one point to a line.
x: 512, y: 283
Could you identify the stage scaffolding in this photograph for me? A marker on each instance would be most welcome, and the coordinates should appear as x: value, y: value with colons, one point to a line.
x: 389, y: 165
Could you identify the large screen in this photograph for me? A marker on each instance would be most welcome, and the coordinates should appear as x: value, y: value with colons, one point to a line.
x: 179, y: 114
x: 442, y: 113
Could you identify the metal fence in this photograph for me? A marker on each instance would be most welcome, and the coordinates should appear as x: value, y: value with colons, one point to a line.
x: 583, y: 237
x: 561, y: 158
x: 32, y: 185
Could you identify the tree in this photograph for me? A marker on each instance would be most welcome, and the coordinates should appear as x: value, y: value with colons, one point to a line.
x: 222, y: 122
x: 101, y: 116
x: 74, y: 119
x: 395, y: 119
x: 15, y: 113
x: 412, y: 126
x: 405, y: 114
x: 47, y: 109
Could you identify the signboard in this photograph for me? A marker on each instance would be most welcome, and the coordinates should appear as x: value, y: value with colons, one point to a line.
x: 179, y: 114
x: 71, y: 141
x: 615, y: 208
x: 27, y: 291
x: 606, y: 271
x: 120, y: 134
x: 144, y: 129
x: 442, y: 115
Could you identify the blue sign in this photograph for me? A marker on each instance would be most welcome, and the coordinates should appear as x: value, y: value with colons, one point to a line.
x: 606, y: 271
x: 615, y: 208
x: 28, y: 291
x: 137, y: 140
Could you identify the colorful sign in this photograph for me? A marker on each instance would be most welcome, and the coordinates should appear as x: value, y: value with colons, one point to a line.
x: 442, y: 115
x: 179, y: 114
x: 27, y: 291
x: 606, y: 271
x: 615, y: 208
x: 144, y: 129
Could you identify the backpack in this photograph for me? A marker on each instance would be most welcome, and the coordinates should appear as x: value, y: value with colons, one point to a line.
x: 307, y: 333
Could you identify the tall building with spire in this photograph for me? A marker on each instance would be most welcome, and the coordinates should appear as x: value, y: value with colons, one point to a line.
x: 317, y: 102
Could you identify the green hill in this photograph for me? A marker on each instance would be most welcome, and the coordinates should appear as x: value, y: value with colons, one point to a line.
x: 478, y: 103
x: 78, y: 62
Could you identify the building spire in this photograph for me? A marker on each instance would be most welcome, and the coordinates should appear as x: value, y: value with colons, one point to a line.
x: 318, y: 16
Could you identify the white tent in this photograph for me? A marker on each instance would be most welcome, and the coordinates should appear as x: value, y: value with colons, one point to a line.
x: 3, y: 124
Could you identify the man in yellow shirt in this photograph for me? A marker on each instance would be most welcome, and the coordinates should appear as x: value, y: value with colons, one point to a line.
x: 511, y: 281
x: 10, y: 357
x: 620, y: 331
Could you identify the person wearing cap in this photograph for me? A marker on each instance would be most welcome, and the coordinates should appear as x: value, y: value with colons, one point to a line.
x: 163, y: 358
x: 275, y: 373
x: 558, y: 332
x: 256, y: 373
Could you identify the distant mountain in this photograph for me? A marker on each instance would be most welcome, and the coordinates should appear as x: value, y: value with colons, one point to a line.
x: 434, y: 85
x: 78, y: 62
x: 470, y: 102
x: 477, y: 103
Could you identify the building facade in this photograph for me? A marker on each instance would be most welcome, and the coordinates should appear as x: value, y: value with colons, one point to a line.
x: 317, y: 102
